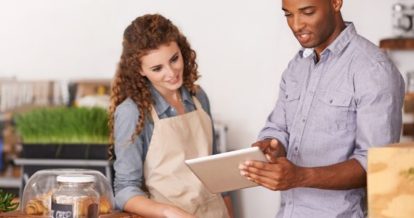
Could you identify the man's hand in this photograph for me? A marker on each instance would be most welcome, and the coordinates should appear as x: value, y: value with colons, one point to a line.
x: 272, y: 149
x: 281, y: 174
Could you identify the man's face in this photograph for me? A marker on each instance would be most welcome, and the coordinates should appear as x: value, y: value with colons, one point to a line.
x: 312, y: 21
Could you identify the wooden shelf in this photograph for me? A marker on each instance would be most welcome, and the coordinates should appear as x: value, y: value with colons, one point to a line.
x: 409, y: 103
x: 10, y: 182
x: 397, y: 44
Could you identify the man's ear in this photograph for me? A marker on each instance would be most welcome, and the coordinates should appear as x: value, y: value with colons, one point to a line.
x: 337, y: 5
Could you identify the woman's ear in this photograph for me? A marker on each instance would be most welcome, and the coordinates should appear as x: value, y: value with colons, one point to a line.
x: 142, y: 73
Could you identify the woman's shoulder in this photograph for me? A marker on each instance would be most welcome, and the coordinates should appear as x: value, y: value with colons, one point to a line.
x: 201, y: 94
x: 127, y: 108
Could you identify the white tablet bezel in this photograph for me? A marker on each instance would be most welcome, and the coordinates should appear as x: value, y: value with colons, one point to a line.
x: 220, y: 172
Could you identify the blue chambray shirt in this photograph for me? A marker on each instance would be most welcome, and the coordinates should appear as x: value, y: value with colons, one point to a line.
x: 130, y: 156
x: 331, y: 111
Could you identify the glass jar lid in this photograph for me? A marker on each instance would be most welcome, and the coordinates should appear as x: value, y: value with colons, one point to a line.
x: 75, y: 178
x: 399, y: 7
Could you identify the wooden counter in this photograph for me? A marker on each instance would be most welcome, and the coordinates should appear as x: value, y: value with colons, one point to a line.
x: 18, y: 214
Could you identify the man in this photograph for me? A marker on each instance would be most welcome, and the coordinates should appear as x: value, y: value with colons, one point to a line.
x: 339, y: 96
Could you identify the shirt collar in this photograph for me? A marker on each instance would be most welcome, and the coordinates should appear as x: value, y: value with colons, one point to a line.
x: 161, y: 105
x: 306, y: 52
x: 185, y: 94
x: 337, y: 45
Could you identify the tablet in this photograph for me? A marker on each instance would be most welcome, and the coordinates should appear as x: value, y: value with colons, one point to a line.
x: 220, y: 172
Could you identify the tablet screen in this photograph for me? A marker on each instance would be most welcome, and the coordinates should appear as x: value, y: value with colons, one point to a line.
x: 220, y: 172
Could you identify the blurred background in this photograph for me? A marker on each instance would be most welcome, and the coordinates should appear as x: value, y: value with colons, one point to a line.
x: 64, y: 53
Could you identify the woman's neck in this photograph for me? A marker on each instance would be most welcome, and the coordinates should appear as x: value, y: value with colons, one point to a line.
x: 175, y: 100
x: 172, y: 96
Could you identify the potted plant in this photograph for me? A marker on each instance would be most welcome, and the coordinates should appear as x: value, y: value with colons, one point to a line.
x: 7, y: 202
x: 64, y: 132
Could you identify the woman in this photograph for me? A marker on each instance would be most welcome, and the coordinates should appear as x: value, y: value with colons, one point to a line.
x: 159, y: 118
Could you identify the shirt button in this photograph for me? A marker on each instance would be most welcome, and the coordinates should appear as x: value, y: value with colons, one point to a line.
x: 330, y: 101
x: 296, y: 149
x: 287, y: 96
x: 303, y: 120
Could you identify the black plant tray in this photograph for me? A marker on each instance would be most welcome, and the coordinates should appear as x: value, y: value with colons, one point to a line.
x: 65, y: 151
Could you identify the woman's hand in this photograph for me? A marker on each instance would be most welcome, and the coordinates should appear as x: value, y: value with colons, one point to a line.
x: 145, y: 207
x: 175, y: 212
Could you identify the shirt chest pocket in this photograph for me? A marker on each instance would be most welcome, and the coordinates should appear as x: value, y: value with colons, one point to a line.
x: 292, y: 100
x: 335, y: 111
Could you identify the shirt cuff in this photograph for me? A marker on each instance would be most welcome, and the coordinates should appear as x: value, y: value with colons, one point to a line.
x: 125, y: 194
x: 274, y: 135
x: 362, y: 160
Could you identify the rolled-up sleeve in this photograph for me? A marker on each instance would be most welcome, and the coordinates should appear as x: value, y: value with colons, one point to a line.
x: 129, y: 159
x: 379, y: 94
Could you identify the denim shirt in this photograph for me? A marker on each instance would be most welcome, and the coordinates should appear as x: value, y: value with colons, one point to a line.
x: 332, y: 111
x: 130, y: 156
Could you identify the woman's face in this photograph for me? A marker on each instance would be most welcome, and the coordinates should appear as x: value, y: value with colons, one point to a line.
x: 164, y: 67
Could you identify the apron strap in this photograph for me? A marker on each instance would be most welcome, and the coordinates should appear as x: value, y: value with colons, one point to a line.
x: 154, y: 114
x: 197, y: 103
x: 155, y: 117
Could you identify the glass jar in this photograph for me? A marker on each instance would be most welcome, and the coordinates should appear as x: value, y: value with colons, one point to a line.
x: 76, y: 197
x: 409, y: 87
x: 402, y: 20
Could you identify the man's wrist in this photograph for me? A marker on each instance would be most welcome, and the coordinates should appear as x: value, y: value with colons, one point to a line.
x: 305, y: 177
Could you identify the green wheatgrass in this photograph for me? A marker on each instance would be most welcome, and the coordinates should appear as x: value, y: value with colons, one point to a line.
x: 64, y: 125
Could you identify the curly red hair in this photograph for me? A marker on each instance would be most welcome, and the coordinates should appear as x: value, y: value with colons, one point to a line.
x: 146, y: 33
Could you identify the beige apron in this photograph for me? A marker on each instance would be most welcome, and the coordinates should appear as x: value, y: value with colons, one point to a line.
x: 167, y: 178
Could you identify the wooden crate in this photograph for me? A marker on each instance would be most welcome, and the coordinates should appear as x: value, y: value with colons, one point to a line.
x: 391, y: 181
